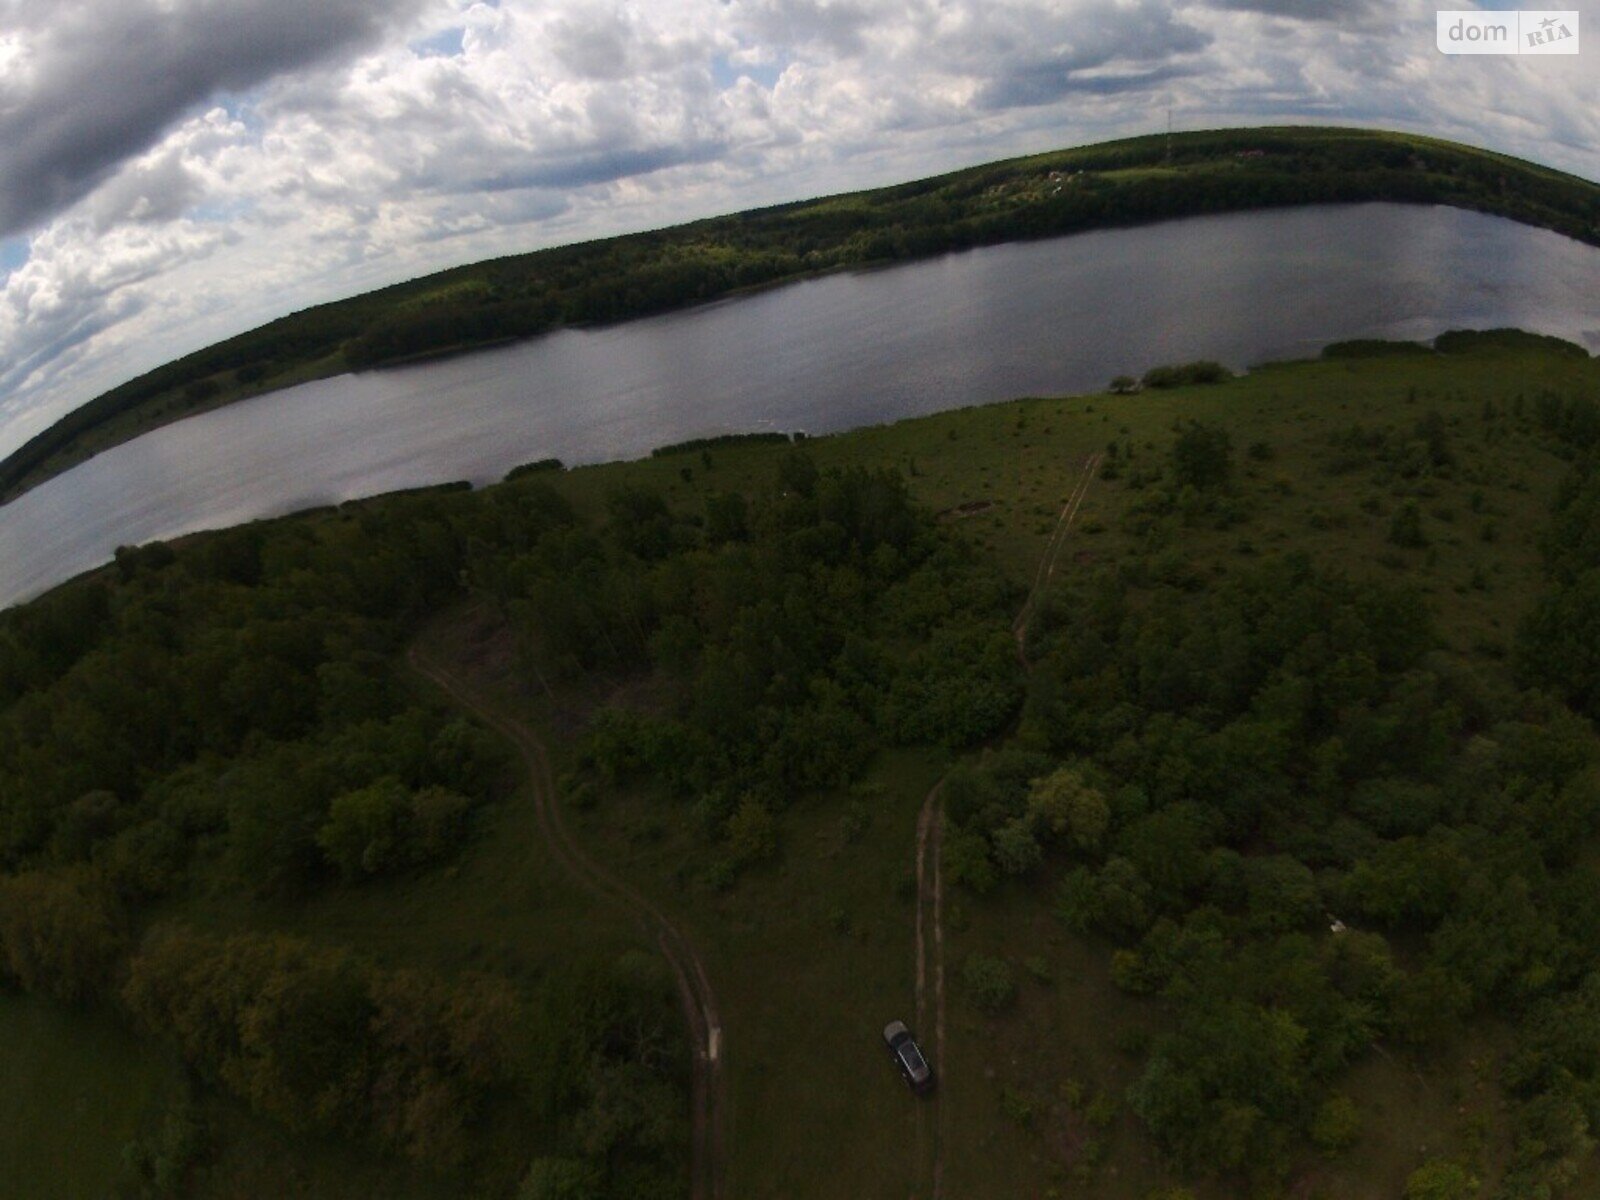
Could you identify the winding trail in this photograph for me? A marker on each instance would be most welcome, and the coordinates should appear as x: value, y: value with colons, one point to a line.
x: 708, y: 1081
x: 930, y: 841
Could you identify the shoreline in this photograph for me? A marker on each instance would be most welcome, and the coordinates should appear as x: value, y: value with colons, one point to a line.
x: 862, y: 231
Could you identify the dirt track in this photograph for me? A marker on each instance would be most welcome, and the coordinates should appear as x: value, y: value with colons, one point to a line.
x: 694, y: 987
x: 1046, y: 570
x: 930, y: 841
x: 930, y: 927
x: 709, y: 1101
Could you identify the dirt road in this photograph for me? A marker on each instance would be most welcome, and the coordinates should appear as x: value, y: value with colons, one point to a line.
x: 930, y: 981
x: 1046, y: 570
x: 930, y: 840
x: 708, y: 1099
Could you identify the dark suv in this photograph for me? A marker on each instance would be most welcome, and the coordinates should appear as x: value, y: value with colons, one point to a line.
x: 908, y: 1057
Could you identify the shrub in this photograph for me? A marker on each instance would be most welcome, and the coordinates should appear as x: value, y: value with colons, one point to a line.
x: 440, y: 822
x: 1373, y: 348
x: 1015, y: 847
x: 1203, y: 371
x: 1336, y: 1125
x: 988, y: 982
x: 1202, y: 457
x: 1439, y: 1179
x: 542, y: 466
x: 561, y: 1179
x: 366, y: 830
x: 1018, y: 1106
x: 1406, y: 527
x: 752, y: 833
x: 967, y: 861
x: 61, y: 933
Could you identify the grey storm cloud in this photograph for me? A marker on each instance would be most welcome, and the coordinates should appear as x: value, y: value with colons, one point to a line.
x: 1124, y: 48
x: 1300, y: 10
x: 1045, y: 83
x: 839, y: 26
x: 102, y: 79
x: 590, y: 167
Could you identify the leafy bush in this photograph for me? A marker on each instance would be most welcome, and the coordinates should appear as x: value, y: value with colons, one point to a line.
x: 1405, y: 529
x: 988, y: 983
x: 1439, y: 1179
x: 1186, y: 374
x: 1336, y: 1125
x: 562, y: 1179
x: 325, y: 1042
x: 62, y: 933
x: 1374, y: 348
x: 1202, y: 457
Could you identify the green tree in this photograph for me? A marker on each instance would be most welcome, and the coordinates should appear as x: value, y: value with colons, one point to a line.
x: 562, y: 1179
x: 1063, y: 803
x: 967, y: 861
x: 727, y: 518
x: 1405, y: 528
x: 1440, y: 1179
x: 367, y: 831
x: 1336, y: 1126
x: 1202, y: 457
x: 62, y: 934
x: 1217, y: 1093
x: 439, y: 823
x: 1559, y: 643
x: 1016, y: 849
x: 752, y: 833
x: 988, y: 982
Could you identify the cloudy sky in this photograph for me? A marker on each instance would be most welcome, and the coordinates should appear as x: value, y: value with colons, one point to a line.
x: 175, y: 171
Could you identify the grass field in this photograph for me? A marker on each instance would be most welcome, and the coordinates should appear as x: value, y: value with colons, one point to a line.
x: 77, y: 1089
x: 812, y: 954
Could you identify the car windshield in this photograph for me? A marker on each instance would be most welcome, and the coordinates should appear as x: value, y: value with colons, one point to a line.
x: 912, y: 1057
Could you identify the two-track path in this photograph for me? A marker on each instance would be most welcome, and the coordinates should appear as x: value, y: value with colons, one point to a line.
x: 930, y: 972
x: 708, y: 1094
x: 1045, y: 572
x: 930, y: 840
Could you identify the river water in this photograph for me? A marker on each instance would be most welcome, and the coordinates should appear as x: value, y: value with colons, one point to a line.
x: 821, y: 355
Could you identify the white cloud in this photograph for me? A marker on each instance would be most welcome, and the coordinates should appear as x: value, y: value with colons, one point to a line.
x: 351, y: 144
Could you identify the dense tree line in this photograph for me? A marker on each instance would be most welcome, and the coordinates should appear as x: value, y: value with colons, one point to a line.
x: 794, y: 632
x: 1559, y: 646
x: 229, y: 713
x: 631, y: 276
x: 326, y: 1043
x: 238, y: 699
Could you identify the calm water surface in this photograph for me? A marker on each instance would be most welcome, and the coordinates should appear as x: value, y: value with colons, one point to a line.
x: 822, y: 355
